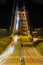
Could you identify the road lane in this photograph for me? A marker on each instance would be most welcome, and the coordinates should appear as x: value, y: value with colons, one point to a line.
x: 26, y: 56
x: 11, y: 56
x: 21, y: 56
x: 30, y: 57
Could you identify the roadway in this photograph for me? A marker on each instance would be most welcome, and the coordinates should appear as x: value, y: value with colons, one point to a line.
x: 31, y: 57
x: 11, y: 55
x: 14, y: 54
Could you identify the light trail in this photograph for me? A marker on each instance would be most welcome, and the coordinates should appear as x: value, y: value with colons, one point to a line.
x: 17, y: 22
x: 30, y: 56
x: 34, y: 55
x: 40, y: 57
x: 15, y: 39
x: 6, y: 54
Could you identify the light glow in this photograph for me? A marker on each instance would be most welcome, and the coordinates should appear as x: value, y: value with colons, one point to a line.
x: 16, y: 38
x: 6, y: 54
x: 17, y: 22
x: 35, y: 39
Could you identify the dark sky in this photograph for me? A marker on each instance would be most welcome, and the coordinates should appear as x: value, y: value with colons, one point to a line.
x: 6, y: 8
x: 34, y: 7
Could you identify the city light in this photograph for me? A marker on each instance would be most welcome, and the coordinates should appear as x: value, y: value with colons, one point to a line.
x: 7, y: 52
x: 17, y: 22
x: 35, y: 39
x: 16, y: 38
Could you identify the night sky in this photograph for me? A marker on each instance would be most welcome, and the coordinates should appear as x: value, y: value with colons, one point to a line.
x: 35, y: 9
x: 35, y: 12
x: 6, y: 9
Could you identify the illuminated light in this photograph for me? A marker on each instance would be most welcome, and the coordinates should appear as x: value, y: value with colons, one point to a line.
x: 32, y: 51
x: 35, y: 39
x: 1, y: 63
x: 20, y: 58
x: 1, y: 60
x: 16, y: 38
x: 34, y: 32
x: 17, y: 26
x: 11, y: 49
x: 7, y: 53
x: 17, y: 23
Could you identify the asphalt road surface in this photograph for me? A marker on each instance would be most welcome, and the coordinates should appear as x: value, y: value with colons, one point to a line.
x: 17, y: 55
